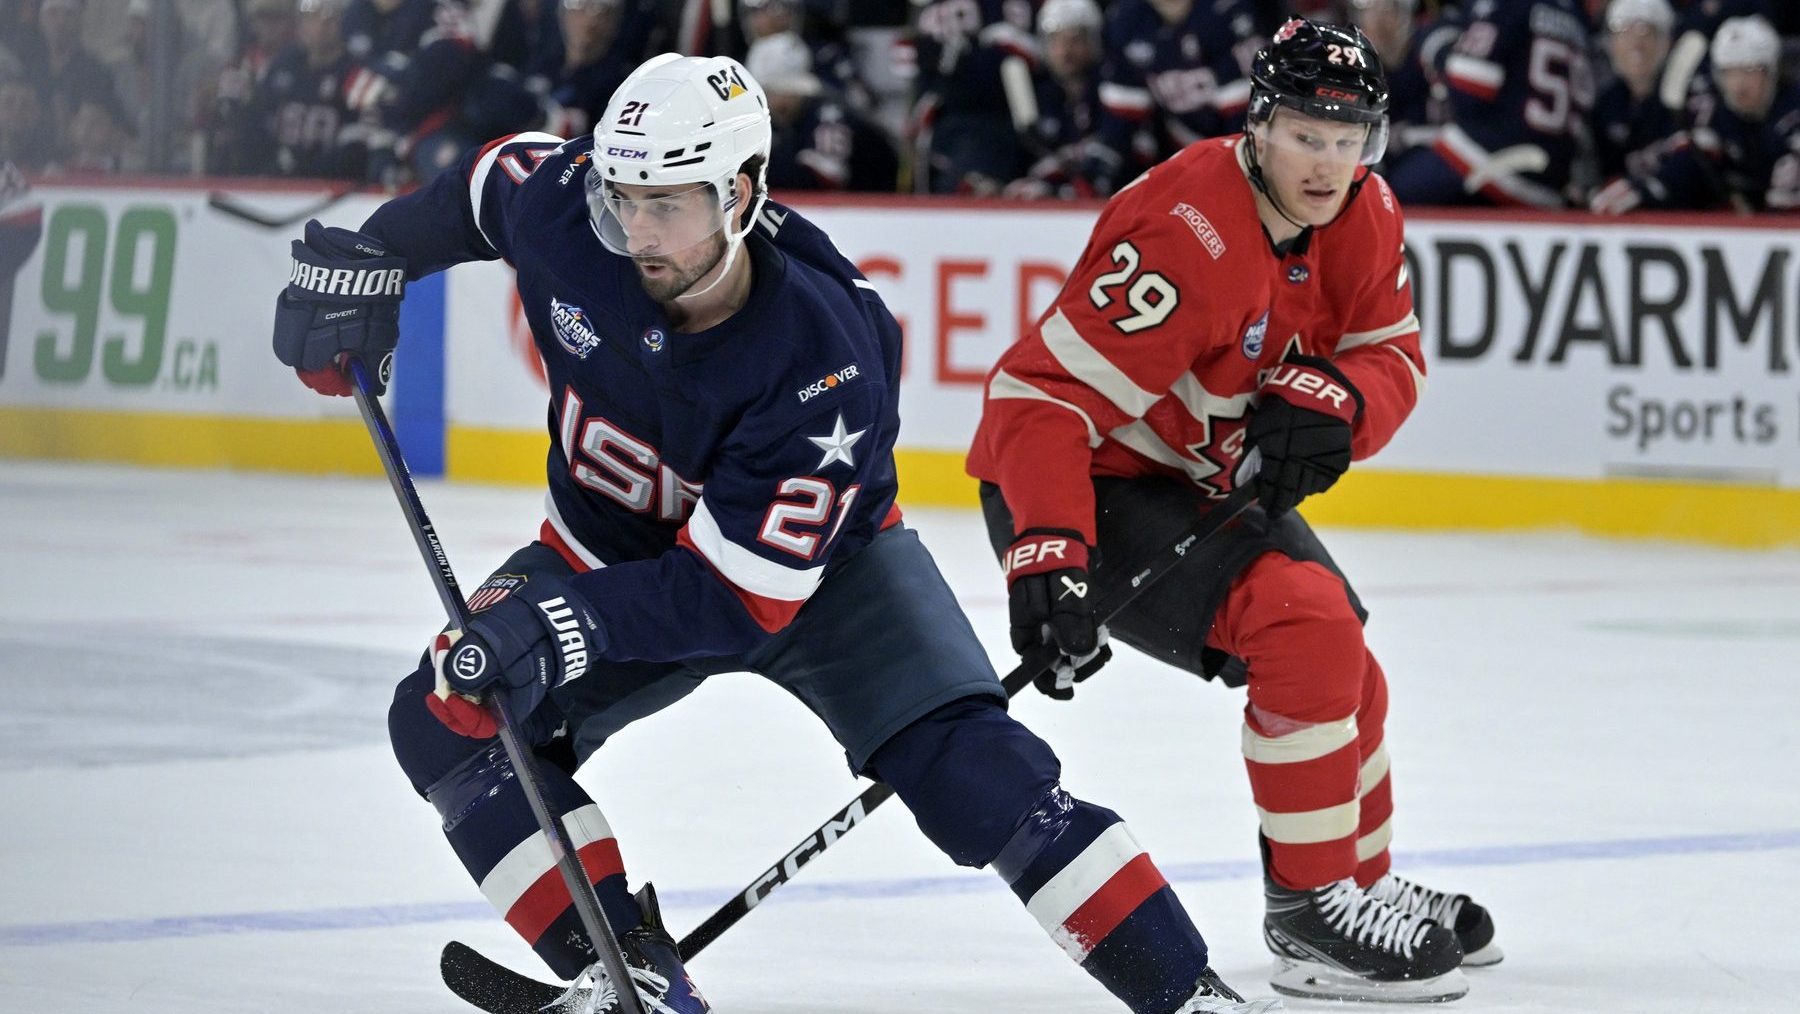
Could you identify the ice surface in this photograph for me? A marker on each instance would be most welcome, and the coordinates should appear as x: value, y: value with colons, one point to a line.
x: 199, y: 811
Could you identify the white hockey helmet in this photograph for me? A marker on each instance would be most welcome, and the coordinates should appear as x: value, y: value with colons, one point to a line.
x: 1620, y: 14
x: 1062, y: 15
x: 1748, y: 41
x: 679, y: 122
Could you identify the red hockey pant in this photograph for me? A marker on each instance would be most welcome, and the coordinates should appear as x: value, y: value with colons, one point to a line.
x: 1313, y: 725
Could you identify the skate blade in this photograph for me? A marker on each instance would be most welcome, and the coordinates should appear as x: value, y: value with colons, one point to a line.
x: 1483, y: 957
x: 1322, y: 982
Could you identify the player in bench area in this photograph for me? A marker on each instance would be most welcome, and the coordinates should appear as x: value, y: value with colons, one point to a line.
x: 1241, y: 313
x: 721, y: 498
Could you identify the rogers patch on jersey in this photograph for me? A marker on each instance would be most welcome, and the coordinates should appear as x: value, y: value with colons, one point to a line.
x: 1209, y: 236
x: 827, y: 382
x: 572, y: 328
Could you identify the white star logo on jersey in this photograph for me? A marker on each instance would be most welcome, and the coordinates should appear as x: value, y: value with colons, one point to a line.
x: 837, y: 445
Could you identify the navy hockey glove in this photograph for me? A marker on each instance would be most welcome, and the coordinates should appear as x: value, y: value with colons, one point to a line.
x: 343, y: 298
x: 1301, y: 430
x: 1050, y: 602
x: 530, y: 642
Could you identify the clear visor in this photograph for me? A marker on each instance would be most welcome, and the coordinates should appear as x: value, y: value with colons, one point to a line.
x: 654, y: 221
x: 1331, y: 141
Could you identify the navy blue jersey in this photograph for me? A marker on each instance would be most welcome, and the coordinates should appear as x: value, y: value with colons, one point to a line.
x: 1416, y: 106
x: 417, y: 58
x: 1628, y: 130
x: 960, y: 45
x: 1184, y: 81
x: 307, y: 127
x: 1519, y: 75
x: 711, y: 478
x: 1724, y: 160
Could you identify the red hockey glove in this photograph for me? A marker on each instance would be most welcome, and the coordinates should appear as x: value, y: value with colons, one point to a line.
x: 1051, y: 603
x: 1301, y: 429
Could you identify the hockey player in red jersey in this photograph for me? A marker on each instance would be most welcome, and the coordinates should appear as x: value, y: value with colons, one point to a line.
x: 1242, y: 312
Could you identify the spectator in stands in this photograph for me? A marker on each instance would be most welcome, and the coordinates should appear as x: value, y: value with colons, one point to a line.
x: 21, y: 122
x: 304, y: 123
x: 974, y: 64
x: 134, y: 80
x: 831, y: 59
x: 67, y: 75
x: 1174, y: 71
x: 527, y: 33
x: 587, y: 67
x: 1410, y: 48
x: 1520, y: 88
x: 19, y: 35
x: 1067, y: 157
x: 1696, y: 22
x: 97, y: 140
x: 1630, y: 117
x: 416, y: 60
x: 228, y: 121
x: 1741, y: 148
x: 819, y: 143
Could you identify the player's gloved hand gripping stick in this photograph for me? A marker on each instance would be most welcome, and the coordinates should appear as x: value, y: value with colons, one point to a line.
x: 1041, y: 658
x: 600, y: 933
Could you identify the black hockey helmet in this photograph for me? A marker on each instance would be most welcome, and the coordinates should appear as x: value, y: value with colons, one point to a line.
x: 1328, y: 71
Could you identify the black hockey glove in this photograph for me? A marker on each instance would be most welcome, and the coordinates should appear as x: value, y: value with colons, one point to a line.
x: 537, y: 638
x: 1301, y: 429
x: 1051, y: 603
x: 342, y: 298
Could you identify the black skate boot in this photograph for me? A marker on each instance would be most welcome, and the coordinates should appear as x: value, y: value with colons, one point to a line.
x: 1212, y: 996
x: 663, y: 985
x: 1474, y: 927
x: 1339, y: 943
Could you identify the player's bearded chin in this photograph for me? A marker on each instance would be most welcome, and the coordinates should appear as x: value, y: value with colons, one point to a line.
x: 675, y: 279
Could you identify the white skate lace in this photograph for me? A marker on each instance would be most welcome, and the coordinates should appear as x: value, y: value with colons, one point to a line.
x: 1402, y: 893
x: 600, y: 997
x: 1361, y: 917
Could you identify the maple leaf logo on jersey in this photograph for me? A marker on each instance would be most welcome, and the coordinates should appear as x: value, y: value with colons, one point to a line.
x: 573, y: 332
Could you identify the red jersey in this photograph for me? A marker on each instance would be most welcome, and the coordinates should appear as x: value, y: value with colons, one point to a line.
x: 1150, y: 360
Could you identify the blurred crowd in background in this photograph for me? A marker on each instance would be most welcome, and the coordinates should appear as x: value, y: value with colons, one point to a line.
x: 1610, y: 105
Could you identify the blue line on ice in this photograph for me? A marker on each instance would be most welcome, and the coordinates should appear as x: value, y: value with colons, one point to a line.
x: 369, y: 917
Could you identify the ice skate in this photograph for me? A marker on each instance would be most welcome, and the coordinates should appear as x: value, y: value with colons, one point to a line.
x: 1474, y: 927
x: 1337, y: 942
x: 1212, y: 996
x: 663, y: 985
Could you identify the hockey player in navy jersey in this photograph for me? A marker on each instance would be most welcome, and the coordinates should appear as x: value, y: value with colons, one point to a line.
x: 1630, y: 117
x: 1741, y: 147
x: 722, y: 498
x: 1520, y: 87
x: 1175, y: 68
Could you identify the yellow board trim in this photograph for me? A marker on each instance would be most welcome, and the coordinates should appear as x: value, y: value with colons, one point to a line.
x: 179, y: 440
x: 1715, y: 513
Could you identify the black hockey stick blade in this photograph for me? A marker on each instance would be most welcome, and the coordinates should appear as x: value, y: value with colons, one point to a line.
x: 491, y: 986
x: 845, y: 821
x: 225, y: 203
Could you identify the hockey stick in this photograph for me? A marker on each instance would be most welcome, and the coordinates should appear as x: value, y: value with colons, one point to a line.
x: 846, y: 819
x: 581, y: 890
x: 221, y: 201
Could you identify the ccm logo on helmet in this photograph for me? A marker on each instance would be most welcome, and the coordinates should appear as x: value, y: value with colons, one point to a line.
x: 613, y: 151
x: 1336, y: 94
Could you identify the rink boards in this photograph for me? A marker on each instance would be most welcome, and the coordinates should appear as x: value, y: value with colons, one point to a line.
x: 1627, y: 378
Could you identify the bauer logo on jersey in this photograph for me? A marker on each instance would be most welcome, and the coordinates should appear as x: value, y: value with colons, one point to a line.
x: 1209, y: 236
x: 1253, y: 338
x: 494, y: 589
x: 828, y: 382
x: 572, y: 329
